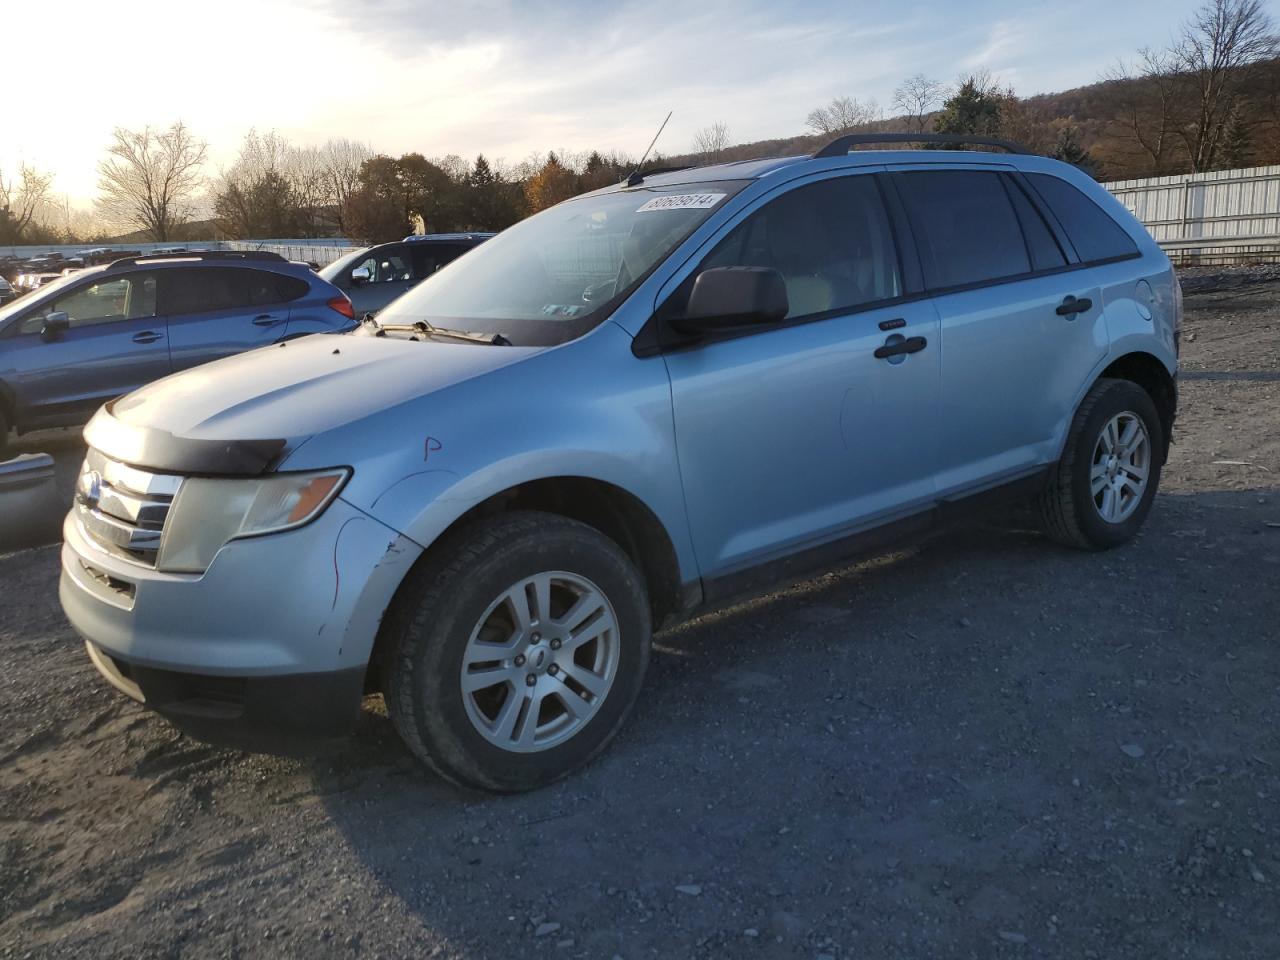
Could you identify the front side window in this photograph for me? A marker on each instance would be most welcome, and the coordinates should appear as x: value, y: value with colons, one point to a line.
x: 965, y: 227
x: 131, y: 297
x: 387, y: 266
x: 1092, y: 231
x: 830, y: 240
x: 558, y: 274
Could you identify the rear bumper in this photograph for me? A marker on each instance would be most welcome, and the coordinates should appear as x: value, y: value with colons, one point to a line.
x: 245, y: 711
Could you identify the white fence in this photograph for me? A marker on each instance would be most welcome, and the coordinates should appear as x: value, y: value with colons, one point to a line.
x: 1219, y: 217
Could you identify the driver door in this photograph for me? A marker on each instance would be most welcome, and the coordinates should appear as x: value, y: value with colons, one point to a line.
x: 113, y: 345
x: 799, y: 435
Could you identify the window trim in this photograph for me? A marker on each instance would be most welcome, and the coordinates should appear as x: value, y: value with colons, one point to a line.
x: 657, y: 337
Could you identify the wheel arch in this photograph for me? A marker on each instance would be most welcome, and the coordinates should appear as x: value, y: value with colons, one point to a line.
x: 614, y: 512
x: 1148, y: 372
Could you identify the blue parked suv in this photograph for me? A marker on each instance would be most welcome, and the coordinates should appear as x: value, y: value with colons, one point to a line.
x: 101, y: 332
x: 637, y: 404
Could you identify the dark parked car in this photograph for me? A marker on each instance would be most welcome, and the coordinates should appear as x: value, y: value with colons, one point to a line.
x: 7, y: 293
x: 103, y: 331
x: 375, y: 276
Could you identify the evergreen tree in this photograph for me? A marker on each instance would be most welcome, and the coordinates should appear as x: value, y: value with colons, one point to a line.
x: 974, y: 109
x: 1069, y: 150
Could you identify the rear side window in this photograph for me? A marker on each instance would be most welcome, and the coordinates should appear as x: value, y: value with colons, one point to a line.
x: 965, y: 226
x: 207, y: 289
x: 1090, y: 228
x: 266, y: 287
x: 1044, y: 249
x: 430, y: 257
x: 830, y: 240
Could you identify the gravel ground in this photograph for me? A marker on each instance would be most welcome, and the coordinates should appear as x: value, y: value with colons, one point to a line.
x: 985, y: 746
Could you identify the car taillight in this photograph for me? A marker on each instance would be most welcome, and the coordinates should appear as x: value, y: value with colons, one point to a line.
x: 343, y: 305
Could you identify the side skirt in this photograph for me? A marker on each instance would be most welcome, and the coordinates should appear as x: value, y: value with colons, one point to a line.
x: 725, y: 590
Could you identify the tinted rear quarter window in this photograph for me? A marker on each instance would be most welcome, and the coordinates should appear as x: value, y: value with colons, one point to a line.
x: 965, y: 226
x: 1044, y: 249
x: 1090, y: 228
x: 430, y: 257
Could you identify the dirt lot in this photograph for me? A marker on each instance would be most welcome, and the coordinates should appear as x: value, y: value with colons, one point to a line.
x: 982, y: 747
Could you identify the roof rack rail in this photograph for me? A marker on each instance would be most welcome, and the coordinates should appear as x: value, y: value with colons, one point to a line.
x: 637, y: 178
x: 459, y: 235
x: 840, y: 145
x: 200, y: 255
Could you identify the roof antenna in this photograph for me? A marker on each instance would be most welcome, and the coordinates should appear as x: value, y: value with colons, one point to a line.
x: 636, y: 177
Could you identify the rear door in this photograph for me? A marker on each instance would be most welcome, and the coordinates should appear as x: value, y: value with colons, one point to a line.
x: 799, y: 434
x: 114, y: 344
x: 1015, y: 353
x: 213, y: 312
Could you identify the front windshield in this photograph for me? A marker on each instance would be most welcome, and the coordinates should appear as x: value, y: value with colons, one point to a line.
x: 333, y: 271
x: 559, y: 273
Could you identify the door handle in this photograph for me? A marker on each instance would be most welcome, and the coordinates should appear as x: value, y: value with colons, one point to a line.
x: 265, y: 319
x: 146, y: 336
x: 1070, y: 306
x: 895, y: 347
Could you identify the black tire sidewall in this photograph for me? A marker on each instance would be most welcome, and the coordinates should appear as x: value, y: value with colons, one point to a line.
x: 1120, y: 397
x: 442, y: 721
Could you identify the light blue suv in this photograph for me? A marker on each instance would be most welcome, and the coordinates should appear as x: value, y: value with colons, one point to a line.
x: 634, y: 405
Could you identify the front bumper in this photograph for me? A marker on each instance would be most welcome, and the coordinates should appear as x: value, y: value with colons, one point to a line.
x: 247, y: 711
x: 276, y: 633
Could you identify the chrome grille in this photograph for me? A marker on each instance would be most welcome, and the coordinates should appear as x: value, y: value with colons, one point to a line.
x: 123, y: 509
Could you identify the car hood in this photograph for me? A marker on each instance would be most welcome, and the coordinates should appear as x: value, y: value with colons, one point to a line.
x: 297, y: 389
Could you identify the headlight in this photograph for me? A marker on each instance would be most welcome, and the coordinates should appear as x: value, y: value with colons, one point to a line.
x: 209, y: 512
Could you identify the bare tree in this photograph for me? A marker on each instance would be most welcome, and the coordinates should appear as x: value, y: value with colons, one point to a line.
x: 259, y: 194
x: 1213, y: 54
x: 342, y: 161
x: 150, y: 177
x: 20, y: 201
x: 1146, y: 98
x: 916, y: 97
x: 841, y: 114
x: 710, y: 141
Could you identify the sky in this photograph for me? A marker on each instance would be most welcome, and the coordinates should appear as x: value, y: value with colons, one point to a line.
x: 511, y: 78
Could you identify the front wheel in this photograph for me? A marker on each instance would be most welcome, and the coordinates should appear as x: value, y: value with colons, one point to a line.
x: 518, y: 650
x: 1102, y: 488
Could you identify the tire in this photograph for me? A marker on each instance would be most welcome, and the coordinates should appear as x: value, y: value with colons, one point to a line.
x: 465, y: 598
x: 1070, y: 511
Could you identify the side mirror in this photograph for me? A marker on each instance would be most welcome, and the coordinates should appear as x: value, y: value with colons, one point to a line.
x: 360, y: 276
x: 55, y: 325
x: 732, y: 298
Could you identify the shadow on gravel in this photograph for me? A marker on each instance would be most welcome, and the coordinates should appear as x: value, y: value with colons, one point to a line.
x: 1256, y: 376
x: 977, y: 743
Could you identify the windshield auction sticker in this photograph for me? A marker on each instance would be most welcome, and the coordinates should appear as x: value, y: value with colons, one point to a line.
x: 683, y: 201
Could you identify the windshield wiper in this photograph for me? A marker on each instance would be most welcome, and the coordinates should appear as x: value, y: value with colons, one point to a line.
x: 422, y: 328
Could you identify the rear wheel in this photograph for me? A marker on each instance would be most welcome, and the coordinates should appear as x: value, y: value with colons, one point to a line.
x: 517, y: 651
x: 1103, y: 486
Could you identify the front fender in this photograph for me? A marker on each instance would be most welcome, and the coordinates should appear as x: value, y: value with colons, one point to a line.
x: 588, y: 409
